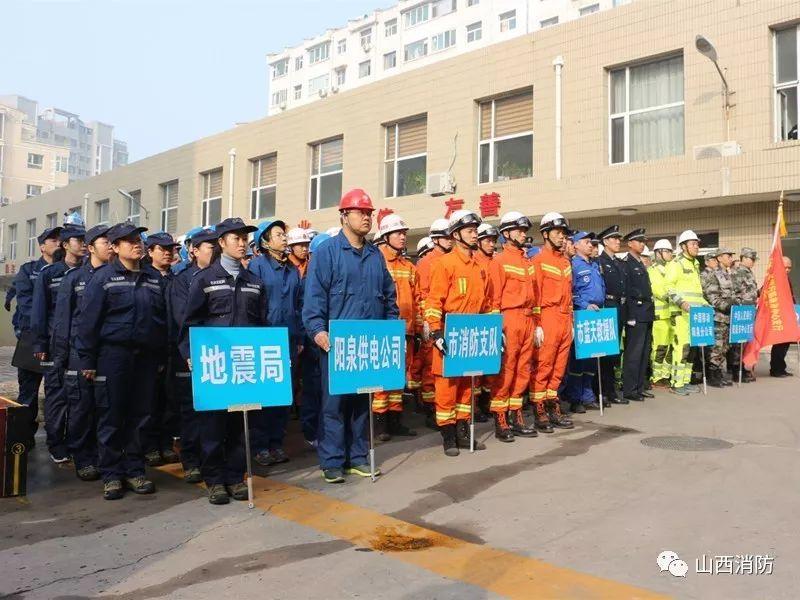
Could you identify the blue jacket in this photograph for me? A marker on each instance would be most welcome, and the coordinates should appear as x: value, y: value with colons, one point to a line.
x: 180, y: 267
x: 588, y: 286
x: 23, y: 284
x: 172, y: 333
x: 68, y: 311
x: 179, y: 294
x: 216, y: 300
x: 121, y: 307
x: 284, y: 293
x: 344, y: 283
x: 43, y: 306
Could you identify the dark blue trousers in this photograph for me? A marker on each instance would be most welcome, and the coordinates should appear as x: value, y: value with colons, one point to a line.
x: 166, y: 422
x: 311, y: 399
x: 55, y: 412
x: 29, y: 382
x: 344, y: 427
x: 189, y: 419
x: 222, y: 447
x: 81, y: 437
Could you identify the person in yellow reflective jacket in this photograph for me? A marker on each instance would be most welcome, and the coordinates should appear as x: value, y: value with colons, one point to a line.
x: 661, y: 353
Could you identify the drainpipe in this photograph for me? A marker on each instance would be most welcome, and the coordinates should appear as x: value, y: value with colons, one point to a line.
x: 232, y: 155
x: 558, y: 64
x: 2, y: 239
x: 86, y: 208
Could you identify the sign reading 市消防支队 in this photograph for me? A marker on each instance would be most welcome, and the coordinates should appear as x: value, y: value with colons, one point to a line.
x: 474, y: 344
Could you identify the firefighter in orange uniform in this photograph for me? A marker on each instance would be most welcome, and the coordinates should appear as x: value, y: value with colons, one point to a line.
x: 514, y: 295
x: 388, y: 406
x: 458, y: 285
x: 487, y: 245
x: 553, y: 320
x: 424, y: 247
x: 441, y: 246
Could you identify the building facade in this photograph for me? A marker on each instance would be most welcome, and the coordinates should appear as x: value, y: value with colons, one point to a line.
x: 612, y: 118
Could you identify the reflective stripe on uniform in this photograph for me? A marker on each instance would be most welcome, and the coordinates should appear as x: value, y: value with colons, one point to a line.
x: 217, y: 288
x: 110, y: 284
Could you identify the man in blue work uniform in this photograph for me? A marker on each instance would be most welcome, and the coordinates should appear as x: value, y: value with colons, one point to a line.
x: 224, y: 295
x: 588, y: 293
x: 613, y: 270
x: 121, y: 339
x: 284, y: 300
x: 80, y: 437
x: 639, y: 317
x: 201, y: 255
x: 45, y: 294
x: 347, y: 279
x: 29, y: 381
x: 185, y: 252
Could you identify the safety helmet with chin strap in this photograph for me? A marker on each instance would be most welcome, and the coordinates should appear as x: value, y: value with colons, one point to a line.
x: 514, y: 220
x: 553, y: 220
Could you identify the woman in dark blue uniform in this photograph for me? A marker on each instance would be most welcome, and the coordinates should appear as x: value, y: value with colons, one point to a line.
x: 224, y: 295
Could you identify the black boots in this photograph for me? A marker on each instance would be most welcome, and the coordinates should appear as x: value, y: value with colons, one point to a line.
x: 449, y: 440
x: 381, y: 431
x: 518, y: 426
x: 501, y: 429
x: 540, y: 418
x: 556, y: 418
x: 462, y: 436
x: 396, y: 427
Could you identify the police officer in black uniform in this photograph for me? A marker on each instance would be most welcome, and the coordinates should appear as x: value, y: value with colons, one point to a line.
x: 613, y: 271
x: 640, y: 313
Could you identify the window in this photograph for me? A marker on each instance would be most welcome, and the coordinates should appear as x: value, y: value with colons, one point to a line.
x: 12, y: 241
x: 279, y: 98
x: 473, y: 2
x: 135, y: 208
x: 320, y: 52
x: 52, y: 220
x: 341, y: 75
x: 506, y: 134
x: 364, y: 68
x: 262, y: 193
x: 317, y: 84
x: 587, y: 10
x: 443, y: 7
x: 389, y: 60
x: 646, y: 111
x: 474, y: 32
x: 406, y: 157
x: 341, y: 46
x: 101, y: 212
x: 415, y: 16
x: 390, y: 28
x: 33, y: 243
x: 169, y: 206
x: 366, y: 38
x: 280, y: 68
x: 508, y: 20
x: 78, y: 210
x: 62, y: 164
x: 35, y: 161
x: 416, y: 50
x: 32, y: 191
x: 548, y: 22
x: 326, y: 174
x: 443, y: 40
x: 787, y: 83
x: 298, y: 92
x: 298, y: 63
x: 211, y: 208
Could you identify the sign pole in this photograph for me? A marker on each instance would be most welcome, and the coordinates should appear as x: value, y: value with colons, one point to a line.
x: 703, y: 360
x: 600, y: 386
x: 798, y: 358
x: 249, y: 459
x: 371, y: 441
x: 472, y: 414
x: 741, y: 352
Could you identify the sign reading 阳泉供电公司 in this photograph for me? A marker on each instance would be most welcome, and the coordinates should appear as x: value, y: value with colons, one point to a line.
x: 596, y: 333
x: 474, y: 344
x: 234, y: 366
x: 701, y: 326
x: 743, y: 319
x: 366, y: 355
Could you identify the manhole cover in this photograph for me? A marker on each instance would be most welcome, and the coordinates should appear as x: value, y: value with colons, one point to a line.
x: 686, y: 443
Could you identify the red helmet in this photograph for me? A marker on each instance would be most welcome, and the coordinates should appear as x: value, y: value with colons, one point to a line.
x: 356, y: 199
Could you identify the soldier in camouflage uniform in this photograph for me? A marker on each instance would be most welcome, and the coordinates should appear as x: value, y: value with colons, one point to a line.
x: 745, y: 290
x: 718, y: 290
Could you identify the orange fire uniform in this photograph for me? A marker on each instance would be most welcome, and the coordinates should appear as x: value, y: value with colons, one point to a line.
x: 483, y: 384
x: 512, y: 276
x: 553, y: 289
x: 302, y: 265
x: 406, y: 282
x: 422, y: 368
x: 458, y: 285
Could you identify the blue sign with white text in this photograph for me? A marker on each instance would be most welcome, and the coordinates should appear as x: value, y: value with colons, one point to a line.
x: 743, y: 320
x: 797, y: 312
x: 596, y: 333
x: 474, y: 344
x: 366, y: 356
x: 701, y: 326
x: 240, y: 365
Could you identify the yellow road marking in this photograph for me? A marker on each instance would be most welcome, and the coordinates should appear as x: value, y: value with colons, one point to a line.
x: 504, y: 573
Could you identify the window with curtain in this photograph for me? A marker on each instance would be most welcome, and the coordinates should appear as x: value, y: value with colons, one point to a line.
x: 787, y: 83
x: 33, y: 243
x: 327, y: 164
x: 263, y: 191
x: 211, y: 204
x: 135, y: 208
x: 12, y: 242
x: 406, y: 160
x: 169, y: 206
x: 506, y: 138
x: 101, y: 212
x: 646, y: 111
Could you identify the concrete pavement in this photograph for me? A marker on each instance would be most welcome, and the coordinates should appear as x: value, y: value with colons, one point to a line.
x: 579, y: 513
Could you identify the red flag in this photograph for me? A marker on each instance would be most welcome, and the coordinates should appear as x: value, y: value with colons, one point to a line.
x: 776, y: 321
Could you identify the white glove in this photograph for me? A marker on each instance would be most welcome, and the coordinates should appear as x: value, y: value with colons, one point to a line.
x: 538, y: 337
x: 503, y: 347
x: 631, y: 323
x: 426, y: 331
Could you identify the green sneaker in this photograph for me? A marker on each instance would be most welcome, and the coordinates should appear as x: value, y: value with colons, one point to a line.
x: 680, y: 391
x: 363, y: 471
x: 238, y: 491
x: 333, y: 475
x: 217, y: 494
x: 112, y: 490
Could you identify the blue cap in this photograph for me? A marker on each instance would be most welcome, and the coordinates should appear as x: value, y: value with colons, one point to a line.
x: 50, y: 232
x: 204, y: 235
x: 233, y: 224
x: 533, y: 251
x: 123, y: 230
x: 192, y: 232
x: 95, y: 232
x: 579, y: 235
x: 317, y: 241
x: 71, y: 231
x: 160, y: 238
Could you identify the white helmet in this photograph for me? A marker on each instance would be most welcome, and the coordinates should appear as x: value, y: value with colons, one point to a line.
x: 424, y: 244
x: 461, y: 219
x: 439, y: 228
x: 514, y: 220
x: 687, y: 236
x: 553, y: 220
x: 391, y: 223
x: 486, y: 230
x: 297, y: 236
x: 333, y: 231
x: 647, y: 251
x: 312, y: 233
x: 663, y: 244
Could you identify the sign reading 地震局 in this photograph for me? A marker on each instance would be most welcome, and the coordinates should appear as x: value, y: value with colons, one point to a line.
x: 473, y: 344
x: 701, y: 326
x: 596, y: 333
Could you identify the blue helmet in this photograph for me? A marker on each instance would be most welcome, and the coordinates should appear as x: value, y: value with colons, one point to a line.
x: 317, y: 241
x: 191, y: 233
x: 265, y: 226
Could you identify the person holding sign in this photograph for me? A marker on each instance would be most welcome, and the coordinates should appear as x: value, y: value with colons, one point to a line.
x: 224, y: 295
x: 718, y: 289
x: 553, y: 320
x: 613, y: 270
x: 511, y: 274
x: 487, y: 251
x: 745, y: 288
x: 458, y: 285
x: 347, y: 279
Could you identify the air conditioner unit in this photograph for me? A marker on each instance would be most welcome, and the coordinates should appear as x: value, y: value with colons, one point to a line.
x: 440, y: 184
x: 283, y: 106
x: 717, y: 150
x: 323, y: 93
x: 334, y: 89
x: 5, y: 201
